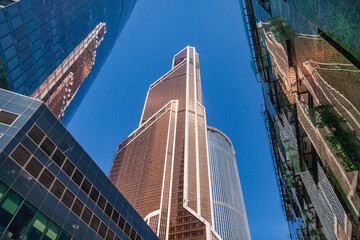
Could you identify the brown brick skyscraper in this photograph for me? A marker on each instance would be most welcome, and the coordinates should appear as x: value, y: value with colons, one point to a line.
x: 162, y: 168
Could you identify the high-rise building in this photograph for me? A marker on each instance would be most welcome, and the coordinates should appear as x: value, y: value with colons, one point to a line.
x: 230, y: 218
x: 162, y: 168
x: 49, y: 186
x: 48, y: 48
x: 306, y: 55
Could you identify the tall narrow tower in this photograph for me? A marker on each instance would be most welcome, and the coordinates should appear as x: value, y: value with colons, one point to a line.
x: 162, y: 168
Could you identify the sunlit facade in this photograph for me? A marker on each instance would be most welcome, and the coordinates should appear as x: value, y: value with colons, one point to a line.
x: 306, y: 55
x: 230, y: 218
x: 162, y: 168
x: 48, y: 49
x: 50, y: 188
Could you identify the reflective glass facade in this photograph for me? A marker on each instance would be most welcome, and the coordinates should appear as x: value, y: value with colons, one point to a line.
x: 162, y: 168
x: 49, y: 186
x: 49, y: 48
x: 306, y: 54
x: 229, y: 208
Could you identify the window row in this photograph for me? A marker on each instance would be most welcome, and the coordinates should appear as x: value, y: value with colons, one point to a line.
x: 20, y: 220
x: 50, y: 182
x: 79, y: 179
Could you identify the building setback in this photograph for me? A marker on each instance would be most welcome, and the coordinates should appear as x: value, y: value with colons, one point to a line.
x: 230, y: 218
x: 162, y: 168
x: 48, y: 48
x: 49, y: 186
x: 306, y: 55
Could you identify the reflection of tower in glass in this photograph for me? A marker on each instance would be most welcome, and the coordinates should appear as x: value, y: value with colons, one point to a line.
x: 162, y: 168
x: 61, y: 86
x: 49, y: 47
x: 230, y: 218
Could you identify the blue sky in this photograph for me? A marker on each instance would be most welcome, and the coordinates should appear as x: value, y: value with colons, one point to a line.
x: 157, y: 30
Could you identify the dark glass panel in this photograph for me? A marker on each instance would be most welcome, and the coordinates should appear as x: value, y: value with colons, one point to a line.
x: 68, y: 168
x: 58, y: 157
x: 7, y: 117
x: 78, y: 207
x: 86, y: 215
x: 36, y: 134
x: 38, y: 227
x: 115, y: 216
x: 138, y: 237
x: 68, y: 198
x: 102, y: 230
x: 117, y: 238
x: 20, y: 155
x: 58, y: 189
x: 127, y: 229
x: 34, y: 167
x: 18, y: 225
x: 132, y: 234
x: 95, y: 223
x: 8, y: 207
x: 85, y: 186
x: 101, y: 202
x: 47, y: 146
x: 94, y: 194
x: 78, y: 177
x: 46, y: 178
x: 108, y: 209
x: 121, y: 223
x: 110, y: 235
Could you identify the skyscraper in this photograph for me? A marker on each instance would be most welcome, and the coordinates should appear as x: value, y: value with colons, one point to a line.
x: 48, y: 48
x: 230, y: 218
x: 162, y: 168
x: 50, y: 188
x: 306, y: 56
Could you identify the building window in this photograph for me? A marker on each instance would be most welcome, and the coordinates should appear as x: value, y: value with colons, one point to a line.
x: 21, y: 221
x: 7, y: 117
x: 46, y: 178
x: 77, y: 177
x: 101, y: 202
x: 121, y: 223
x: 68, y: 168
x: 94, y: 223
x: 36, y: 134
x: 68, y: 198
x: 108, y: 209
x: 8, y: 207
x: 58, y: 157
x: 94, y: 194
x: 78, y: 207
x: 47, y: 146
x: 20, y: 155
x: 102, y: 230
x: 86, y: 215
x: 86, y: 186
x: 58, y: 189
x: 34, y: 167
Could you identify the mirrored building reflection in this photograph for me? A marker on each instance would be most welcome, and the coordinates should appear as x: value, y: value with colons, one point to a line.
x: 228, y: 202
x: 306, y: 56
x: 52, y: 50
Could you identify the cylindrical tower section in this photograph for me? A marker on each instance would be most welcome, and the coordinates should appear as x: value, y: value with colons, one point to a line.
x: 229, y: 209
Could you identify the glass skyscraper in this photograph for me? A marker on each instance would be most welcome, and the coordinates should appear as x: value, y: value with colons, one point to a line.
x: 306, y: 55
x: 50, y: 188
x: 48, y: 48
x: 162, y: 168
x: 230, y: 218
